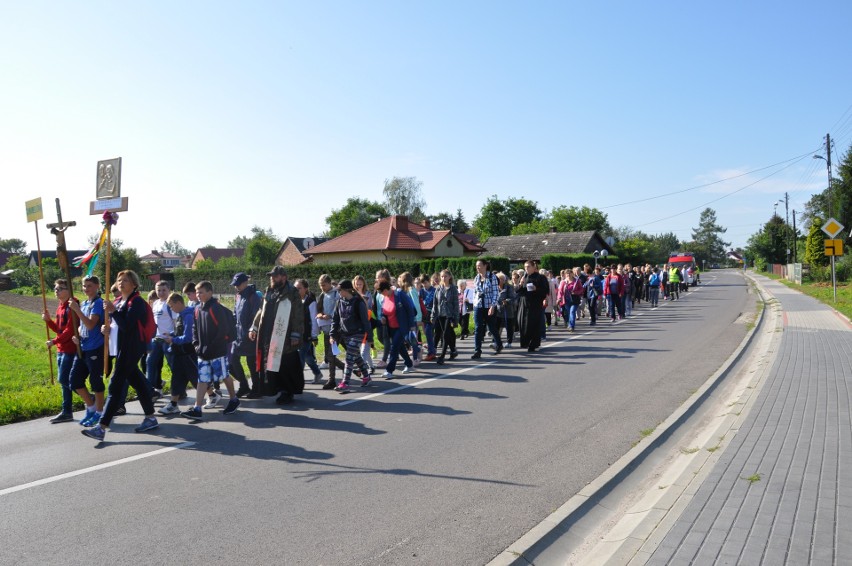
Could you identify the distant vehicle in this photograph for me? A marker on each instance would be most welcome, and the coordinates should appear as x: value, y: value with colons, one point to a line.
x: 681, y: 260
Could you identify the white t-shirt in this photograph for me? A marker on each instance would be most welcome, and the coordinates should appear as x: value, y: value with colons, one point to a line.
x: 163, y: 317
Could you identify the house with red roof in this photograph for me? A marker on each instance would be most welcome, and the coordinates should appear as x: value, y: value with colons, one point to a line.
x: 394, y: 238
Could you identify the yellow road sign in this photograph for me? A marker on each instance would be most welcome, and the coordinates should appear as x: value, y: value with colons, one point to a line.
x: 34, y: 211
x: 832, y: 227
x: 833, y: 247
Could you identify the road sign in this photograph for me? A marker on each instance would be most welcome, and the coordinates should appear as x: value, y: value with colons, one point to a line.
x: 833, y: 247
x: 34, y: 210
x: 832, y: 227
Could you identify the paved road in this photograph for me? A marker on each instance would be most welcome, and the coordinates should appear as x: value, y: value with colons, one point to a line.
x: 450, y: 471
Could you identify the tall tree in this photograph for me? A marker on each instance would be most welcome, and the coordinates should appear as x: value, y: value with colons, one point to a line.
x: 403, y: 196
x: 450, y: 221
x: 663, y: 245
x: 239, y: 242
x: 767, y: 245
x: 263, y: 247
x: 815, y: 243
x: 174, y: 247
x: 707, y: 240
x: 354, y: 214
x: 499, y: 218
x: 13, y: 246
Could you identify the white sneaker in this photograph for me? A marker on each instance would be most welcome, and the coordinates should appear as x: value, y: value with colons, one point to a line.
x: 169, y: 409
x: 323, y: 365
x: 317, y: 378
x: 407, y: 369
x: 387, y: 375
x: 213, y: 401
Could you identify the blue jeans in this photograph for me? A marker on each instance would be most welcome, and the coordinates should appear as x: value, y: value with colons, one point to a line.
x: 397, y: 348
x: 429, y: 330
x: 308, y: 356
x: 481, y: 319
x: 65, y: 361
x: 572, y: 313
x: 154, y: 364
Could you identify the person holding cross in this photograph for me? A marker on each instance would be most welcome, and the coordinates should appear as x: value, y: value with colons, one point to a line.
x: 130, y: 316
x: 66, y: 350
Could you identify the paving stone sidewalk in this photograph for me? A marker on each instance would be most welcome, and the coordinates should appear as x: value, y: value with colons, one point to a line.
x: 782, y: 491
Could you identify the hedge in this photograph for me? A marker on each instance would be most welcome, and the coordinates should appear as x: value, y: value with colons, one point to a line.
x: 461, y: 267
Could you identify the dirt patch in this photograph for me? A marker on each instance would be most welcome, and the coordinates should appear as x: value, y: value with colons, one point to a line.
x: 31, y: 304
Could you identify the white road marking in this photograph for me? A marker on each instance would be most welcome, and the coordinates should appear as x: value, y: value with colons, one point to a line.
x: 103, y: 466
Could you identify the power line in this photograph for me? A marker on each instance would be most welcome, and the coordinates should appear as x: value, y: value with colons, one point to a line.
x: 726, y: 195
x: 714, y: 182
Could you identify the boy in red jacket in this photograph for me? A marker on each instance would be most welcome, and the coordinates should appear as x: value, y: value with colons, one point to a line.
x: 63, y: 326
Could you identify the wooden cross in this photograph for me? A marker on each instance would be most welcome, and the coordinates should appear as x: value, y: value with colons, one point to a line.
x: 58, y: 229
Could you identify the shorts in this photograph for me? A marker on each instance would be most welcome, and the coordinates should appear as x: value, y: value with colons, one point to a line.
x: 214, y: 370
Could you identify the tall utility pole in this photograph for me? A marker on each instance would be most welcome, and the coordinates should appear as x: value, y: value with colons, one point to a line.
x: 787, y: 224
x: 828, y: 163
x: 795, y: 239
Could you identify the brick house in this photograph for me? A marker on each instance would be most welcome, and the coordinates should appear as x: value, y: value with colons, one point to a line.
x: 294, y: 250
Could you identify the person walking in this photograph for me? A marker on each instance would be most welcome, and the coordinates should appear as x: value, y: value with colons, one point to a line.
x: 91, y: 342
x: 398, y: 315
x: 66, y: 350
x: 278, y: 329
x: 349, y: 326
x: 486, y: 290
x: 445, y: 314
x: 133, y: 317
x: 532, y: 292
x: 248, y: 301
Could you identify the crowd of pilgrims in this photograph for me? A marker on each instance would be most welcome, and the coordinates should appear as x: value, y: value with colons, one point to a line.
x: 374, y: 326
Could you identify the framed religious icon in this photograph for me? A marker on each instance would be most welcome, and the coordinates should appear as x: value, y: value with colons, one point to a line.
x: 109, y: 179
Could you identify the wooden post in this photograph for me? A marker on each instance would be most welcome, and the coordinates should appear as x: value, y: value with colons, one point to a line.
x: 34, y: 214
x: 109, y: 297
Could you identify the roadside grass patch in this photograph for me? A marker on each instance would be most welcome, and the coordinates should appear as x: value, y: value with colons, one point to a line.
x: 752, y: 478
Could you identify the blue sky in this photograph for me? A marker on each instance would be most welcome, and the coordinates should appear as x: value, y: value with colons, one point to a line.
x: 230, y: 115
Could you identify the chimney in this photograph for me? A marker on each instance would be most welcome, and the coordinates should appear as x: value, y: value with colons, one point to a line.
x: 399, y: 223
x: 427, y: 223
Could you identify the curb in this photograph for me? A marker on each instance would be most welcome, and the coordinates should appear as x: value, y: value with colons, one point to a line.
x: 554, y: 531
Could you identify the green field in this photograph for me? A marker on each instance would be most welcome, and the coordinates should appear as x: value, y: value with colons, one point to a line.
x: 25, y: 389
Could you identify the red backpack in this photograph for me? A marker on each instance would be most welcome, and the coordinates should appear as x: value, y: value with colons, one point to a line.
x: 148, y: 328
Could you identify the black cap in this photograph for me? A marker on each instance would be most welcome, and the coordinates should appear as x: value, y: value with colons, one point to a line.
x: 277, y: 270
x: 346, y: 285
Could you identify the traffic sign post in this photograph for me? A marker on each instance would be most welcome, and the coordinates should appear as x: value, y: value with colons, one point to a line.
x: 832, y: 228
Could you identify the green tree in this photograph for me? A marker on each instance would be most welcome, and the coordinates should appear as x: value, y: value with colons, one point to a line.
x: 662, y: 246
x: 499, y: 218
x: 568, y: 219
x: 403, y: 196
x: 174, y: 247
x: 768, y: 244
x: 239, y: 242
x: 815, y: 245
x: 448, y: 221
x: 707, y: 242
x: 263, y: 248
x: 13, y: 246
x: 234, y: 263
x: 354, y: 214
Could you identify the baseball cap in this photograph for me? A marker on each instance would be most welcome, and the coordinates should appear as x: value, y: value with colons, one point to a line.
x: 239, y: 279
